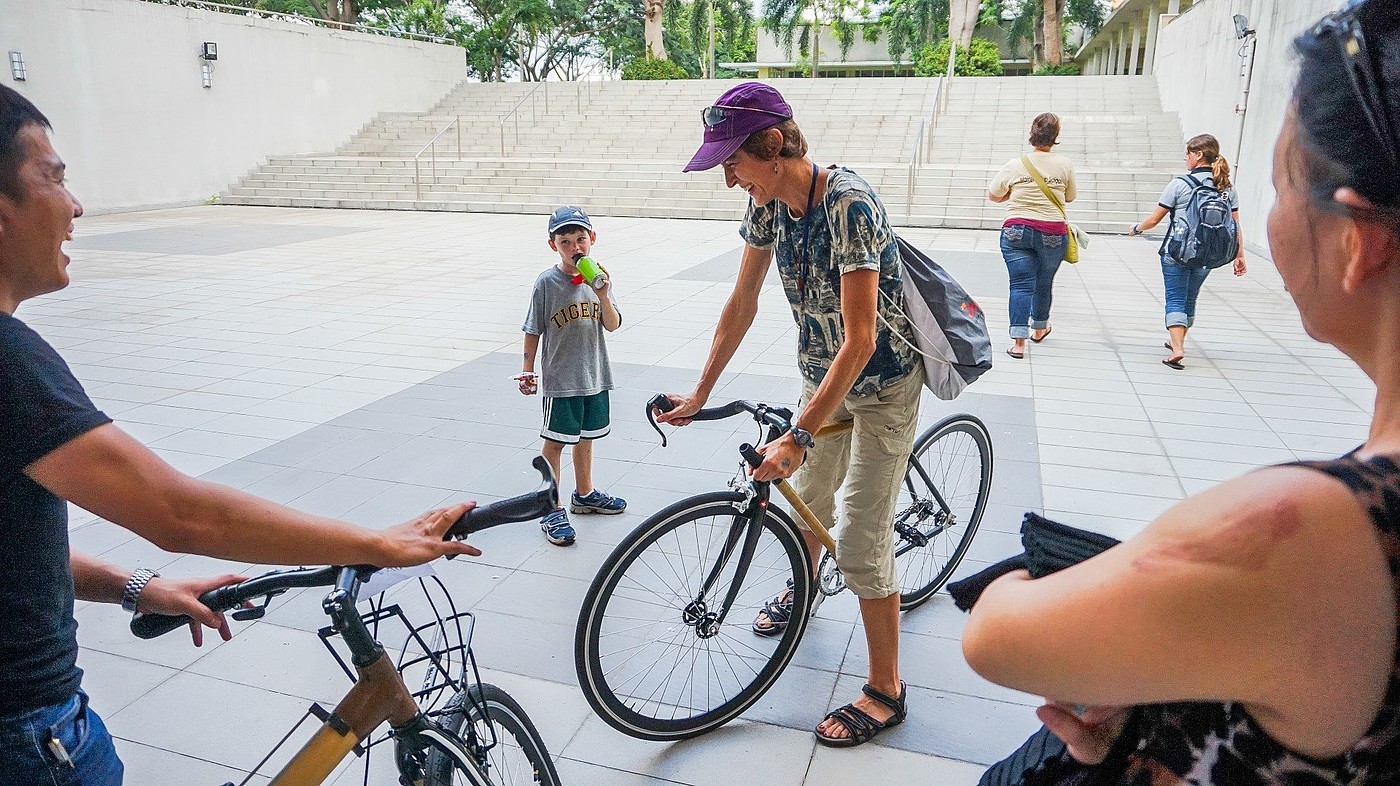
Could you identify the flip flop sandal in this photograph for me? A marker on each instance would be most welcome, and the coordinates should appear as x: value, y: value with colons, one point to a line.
x: 861, y: 726
x: 1176, y: 364
x: 1013, y: 353
x: 779, y: 611
x: 1044, y: 335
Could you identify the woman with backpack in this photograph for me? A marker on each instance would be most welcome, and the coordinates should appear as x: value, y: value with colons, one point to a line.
x: 1195, y: 243
x: 1035, y: 238
x: 839, y: 262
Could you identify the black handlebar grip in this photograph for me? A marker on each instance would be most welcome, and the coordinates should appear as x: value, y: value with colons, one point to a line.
x: 534, y: 505
x: 661, y: 404
x: 751, y: 455
x: 149, y: 626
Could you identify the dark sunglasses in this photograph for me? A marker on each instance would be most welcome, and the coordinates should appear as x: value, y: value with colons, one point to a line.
x: 1361, y: 69
x: 714, y: 115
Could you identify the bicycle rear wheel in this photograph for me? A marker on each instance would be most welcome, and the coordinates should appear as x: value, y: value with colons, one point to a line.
x: 489, y: 715
x: 655, y: 660
x: 940, y: 505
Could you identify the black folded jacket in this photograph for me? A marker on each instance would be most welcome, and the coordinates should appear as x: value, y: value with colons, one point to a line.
x: 1043, y: 760
x: 1049, y: 547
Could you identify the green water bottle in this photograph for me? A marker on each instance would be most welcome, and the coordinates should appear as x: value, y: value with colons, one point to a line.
x: 591, y: 271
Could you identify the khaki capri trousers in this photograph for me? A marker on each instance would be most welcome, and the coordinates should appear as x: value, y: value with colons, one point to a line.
x: 870, y: 458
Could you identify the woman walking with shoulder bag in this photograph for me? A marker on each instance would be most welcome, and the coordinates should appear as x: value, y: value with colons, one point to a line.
x: 1035, y: 237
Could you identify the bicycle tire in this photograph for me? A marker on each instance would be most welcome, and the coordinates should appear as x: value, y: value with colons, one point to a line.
x: 519, y: 756
x: 605, y: 676
x: 924, y: 569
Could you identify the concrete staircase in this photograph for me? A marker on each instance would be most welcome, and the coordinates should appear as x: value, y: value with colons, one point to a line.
x: 618, y: 147
x: 1124, y: 147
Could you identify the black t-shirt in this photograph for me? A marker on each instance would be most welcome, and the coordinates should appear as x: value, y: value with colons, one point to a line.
x: 41, y: 407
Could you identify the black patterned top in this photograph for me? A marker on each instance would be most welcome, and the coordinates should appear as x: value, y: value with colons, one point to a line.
x: 1212, y: 744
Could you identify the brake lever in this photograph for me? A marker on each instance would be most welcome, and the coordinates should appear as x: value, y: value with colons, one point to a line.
x: 256, y: 612
x: 659, y: 403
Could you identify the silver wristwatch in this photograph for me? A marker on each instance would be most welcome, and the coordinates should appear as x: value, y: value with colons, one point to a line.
x: 138, y: 581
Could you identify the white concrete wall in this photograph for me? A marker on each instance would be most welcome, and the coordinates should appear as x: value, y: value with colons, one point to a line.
x: 1198, y: 72
x: 771, y: 50
x: 120, y: 81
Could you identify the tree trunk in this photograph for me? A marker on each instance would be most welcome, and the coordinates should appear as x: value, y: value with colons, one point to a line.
x: 656, y: 46
x: 816, y: 31
x: 1054, y: 32
x: 962, y: 20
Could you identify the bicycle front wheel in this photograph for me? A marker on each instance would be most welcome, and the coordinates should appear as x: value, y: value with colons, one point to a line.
x: 940, y: 505
x: 489, y: 721
x: 660, y: 655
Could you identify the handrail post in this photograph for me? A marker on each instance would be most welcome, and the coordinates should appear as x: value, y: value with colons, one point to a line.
x: 417, y: 182
x: 458, y: 121
x: 503, y: 138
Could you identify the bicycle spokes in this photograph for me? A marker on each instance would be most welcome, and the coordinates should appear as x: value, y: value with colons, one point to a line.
x: 668, y: 645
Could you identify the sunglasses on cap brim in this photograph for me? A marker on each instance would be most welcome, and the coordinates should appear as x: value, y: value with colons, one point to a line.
x: 712, y: 116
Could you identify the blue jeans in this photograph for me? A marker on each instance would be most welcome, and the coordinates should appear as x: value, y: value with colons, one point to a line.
x: 1183, y: 286
x: 32, y: 746
x: 1032, y: 258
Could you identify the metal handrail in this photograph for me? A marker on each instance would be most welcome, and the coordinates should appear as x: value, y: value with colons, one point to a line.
x: 431, y: 149
x: 508, y: 115
x: 582, y: 80
x: 915, y: 161
x: 299, y: 19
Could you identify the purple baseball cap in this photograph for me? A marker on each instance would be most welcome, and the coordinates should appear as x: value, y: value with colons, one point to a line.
x: 742, y: 110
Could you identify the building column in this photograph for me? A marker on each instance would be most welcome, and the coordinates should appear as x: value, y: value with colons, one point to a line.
x: 1173, y: 7
x: 1154, y: 19
x: 1135, y: 49
x: 1121, y: 66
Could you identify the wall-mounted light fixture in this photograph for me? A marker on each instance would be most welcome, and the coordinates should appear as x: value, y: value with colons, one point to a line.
x: 1242, y: 26
x: 17, y: 70
x: 209, y: 50
x: 206, y: 75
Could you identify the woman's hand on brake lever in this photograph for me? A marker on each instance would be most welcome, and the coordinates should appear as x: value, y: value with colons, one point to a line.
x: 420, y: 540
x: 684, y: 407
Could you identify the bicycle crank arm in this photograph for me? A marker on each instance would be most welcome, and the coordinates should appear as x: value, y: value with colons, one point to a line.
x: 822, y: 533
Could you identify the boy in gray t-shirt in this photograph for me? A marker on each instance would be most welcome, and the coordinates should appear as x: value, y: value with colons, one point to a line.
x: 565, y: 325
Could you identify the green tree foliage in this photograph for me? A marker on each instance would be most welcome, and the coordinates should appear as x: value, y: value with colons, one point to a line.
x: 1088, y: 14
x: 786, y: 19
x: 912, y: 25
x: 1064, y: 69
x: 981, y: 59
x: 651, y: 68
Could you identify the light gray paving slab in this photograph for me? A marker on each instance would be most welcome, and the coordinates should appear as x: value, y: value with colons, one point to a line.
x: 385, y: 397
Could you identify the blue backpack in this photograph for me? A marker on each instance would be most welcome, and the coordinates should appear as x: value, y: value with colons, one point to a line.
x: 1206, y: 236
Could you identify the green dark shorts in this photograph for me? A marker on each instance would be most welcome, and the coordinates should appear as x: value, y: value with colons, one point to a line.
x: 571, y: 418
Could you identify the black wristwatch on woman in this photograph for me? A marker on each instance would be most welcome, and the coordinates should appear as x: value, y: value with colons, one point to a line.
x: 802, y: 437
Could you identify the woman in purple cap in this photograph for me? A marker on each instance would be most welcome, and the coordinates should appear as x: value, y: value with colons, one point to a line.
x: 836, y: 255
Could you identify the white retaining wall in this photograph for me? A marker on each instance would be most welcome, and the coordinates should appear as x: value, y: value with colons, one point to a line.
x: 120, y: 80
x: 1198, y: 72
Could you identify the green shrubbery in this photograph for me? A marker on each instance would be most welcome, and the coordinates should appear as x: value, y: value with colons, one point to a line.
x: 981, y: 59
x: 1066, y: 69
x: 652, y: 68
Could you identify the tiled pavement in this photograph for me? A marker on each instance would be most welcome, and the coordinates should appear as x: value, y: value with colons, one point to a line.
x: 356, y: 364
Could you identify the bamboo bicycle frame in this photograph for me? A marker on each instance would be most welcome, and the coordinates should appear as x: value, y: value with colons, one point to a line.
x: 378, y: 695
x: 808, y: 517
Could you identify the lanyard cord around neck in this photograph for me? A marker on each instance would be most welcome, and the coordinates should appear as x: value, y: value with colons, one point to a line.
x: 806, y: 262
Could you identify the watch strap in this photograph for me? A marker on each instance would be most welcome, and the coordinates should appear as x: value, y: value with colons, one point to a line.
x: 134, y: 585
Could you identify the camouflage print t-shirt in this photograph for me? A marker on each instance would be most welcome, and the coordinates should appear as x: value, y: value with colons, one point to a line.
x: 847, y: 230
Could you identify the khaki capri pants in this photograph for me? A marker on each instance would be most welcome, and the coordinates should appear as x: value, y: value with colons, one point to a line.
x: 870, y: 458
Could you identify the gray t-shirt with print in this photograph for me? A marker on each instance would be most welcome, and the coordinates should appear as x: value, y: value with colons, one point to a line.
x: 569, y: 321
x: 847, y: 230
